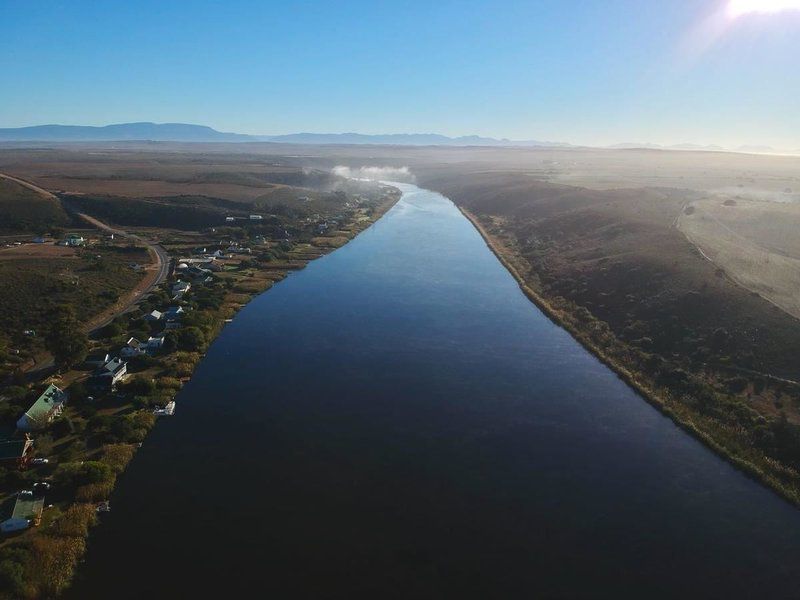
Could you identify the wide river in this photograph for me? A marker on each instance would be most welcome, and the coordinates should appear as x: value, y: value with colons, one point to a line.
x: 398, y: 421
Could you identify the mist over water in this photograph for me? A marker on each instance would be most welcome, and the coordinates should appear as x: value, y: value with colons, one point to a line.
x: 401, y: 174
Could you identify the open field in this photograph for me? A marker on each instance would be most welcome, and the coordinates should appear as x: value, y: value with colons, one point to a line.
x: 756, y: 242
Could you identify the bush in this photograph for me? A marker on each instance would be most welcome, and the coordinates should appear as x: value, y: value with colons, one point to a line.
x: 75, y: 521
x: 74, y: 474
x: 140, y: 386
x: 192, y: 339
x: 117, y: 456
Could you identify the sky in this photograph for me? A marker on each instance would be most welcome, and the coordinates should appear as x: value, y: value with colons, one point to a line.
x: 592, y: 72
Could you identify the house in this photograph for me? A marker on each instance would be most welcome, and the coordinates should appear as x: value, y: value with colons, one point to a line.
x: 230, y: 219
x: 180, y: 287
x: 73, y: 239
x: 27, y: 511
x: 154, y: 344
x: 98, y: 358
x: 174, y: 313
x: 154, y: 315
x: 42, y: 412
x: 198, y: 272
x: 132, y: 347
x: 256, y: 217
x: 16, y: 452
x: 218, y: 254
x: 107, y: 376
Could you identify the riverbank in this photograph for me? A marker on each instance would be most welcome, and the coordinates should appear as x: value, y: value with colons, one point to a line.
x: 757, y: 466
x: 96, y: 436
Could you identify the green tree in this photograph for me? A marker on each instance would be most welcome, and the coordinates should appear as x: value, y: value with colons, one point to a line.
x: 192, y: 339
x: 65, y: 339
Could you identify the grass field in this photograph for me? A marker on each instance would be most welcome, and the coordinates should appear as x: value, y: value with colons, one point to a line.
x: 33, y: 286
x: 756, y: 242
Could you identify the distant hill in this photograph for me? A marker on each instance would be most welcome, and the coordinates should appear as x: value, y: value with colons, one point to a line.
x: 181, y: 132
x: 160, y: 132
x: 695, y: 147
x: 403, y: 139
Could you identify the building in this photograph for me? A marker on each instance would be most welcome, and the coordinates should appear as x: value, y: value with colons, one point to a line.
x: 107, y: 376
x: 132, y: 347
x: 27, y: 511
x: 16, y: 452
x: 180, y: 287
x: 174, y: 313
x: 73, y: 239
x: 154, y: 344
x: 230, y: 219
x: 42, y: 412
x: 153, y: 316
x: 97, y: 359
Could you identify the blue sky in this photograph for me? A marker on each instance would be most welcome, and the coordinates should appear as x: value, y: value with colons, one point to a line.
x: 591, y: 71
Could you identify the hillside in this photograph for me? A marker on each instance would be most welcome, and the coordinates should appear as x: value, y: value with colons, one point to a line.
x: 24, y: 211
x: 612, y: 267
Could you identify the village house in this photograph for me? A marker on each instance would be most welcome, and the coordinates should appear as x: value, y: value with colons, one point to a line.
x: 180, y: 287
x: 154, y: 315
x: 27, y: 511
x: 16, y: 452
x: 74, y: 240
x: 174, y: 313
x: 154, y: 344
x: 97, y: 358
x: 132, y: 347
x: 107, y: 376
x: 42, y: 412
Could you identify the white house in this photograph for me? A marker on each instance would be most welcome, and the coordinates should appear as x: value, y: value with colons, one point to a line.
x: 154, y: 344
x: 132, y: 347
x: 109, y: 374
x: 154, y: 315
x: 181, y: 287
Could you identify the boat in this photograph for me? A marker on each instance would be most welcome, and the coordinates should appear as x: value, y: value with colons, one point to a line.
x: 167, y: 411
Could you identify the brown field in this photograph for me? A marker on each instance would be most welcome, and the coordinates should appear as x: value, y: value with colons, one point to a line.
x: 756, y: 242
x: 41, y: 251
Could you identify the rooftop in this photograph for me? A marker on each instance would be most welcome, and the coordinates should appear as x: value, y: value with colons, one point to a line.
x: 50, y: 398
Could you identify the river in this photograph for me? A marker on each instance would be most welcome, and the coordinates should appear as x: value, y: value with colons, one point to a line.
x: 397, y: 420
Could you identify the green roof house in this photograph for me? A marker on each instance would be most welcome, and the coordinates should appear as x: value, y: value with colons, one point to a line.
x: 46, y: 408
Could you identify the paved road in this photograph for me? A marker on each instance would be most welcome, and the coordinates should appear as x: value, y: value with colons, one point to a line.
x: 150, y: 282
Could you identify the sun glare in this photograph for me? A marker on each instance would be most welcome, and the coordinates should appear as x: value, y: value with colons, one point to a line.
x: 738, y: 8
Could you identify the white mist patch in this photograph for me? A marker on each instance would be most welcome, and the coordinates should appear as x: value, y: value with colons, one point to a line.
x: 376, y: 173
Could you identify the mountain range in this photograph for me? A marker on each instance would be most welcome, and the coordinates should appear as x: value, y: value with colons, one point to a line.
x: 182, y: 132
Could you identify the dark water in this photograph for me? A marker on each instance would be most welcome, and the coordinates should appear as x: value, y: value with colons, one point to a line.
x: 398, y: 420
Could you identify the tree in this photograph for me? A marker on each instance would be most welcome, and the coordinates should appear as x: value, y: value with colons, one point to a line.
x: 191, y: 338
x: 66, y: 340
